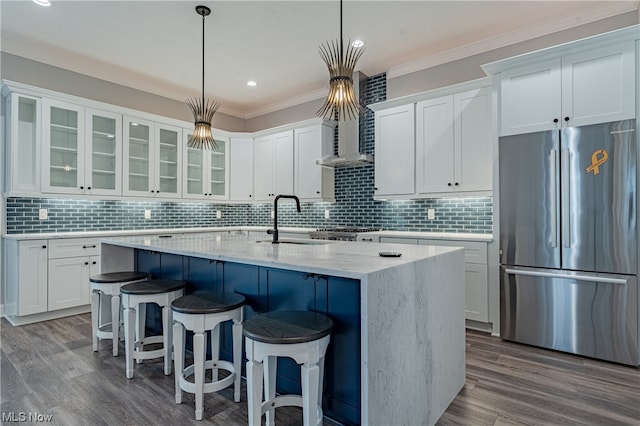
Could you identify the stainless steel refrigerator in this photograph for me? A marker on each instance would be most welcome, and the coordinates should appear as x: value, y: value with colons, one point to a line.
x: 569, y: 240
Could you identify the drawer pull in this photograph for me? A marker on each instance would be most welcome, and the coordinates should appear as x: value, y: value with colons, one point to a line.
x: 93, y: 246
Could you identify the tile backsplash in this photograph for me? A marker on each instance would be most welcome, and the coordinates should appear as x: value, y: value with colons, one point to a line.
x: 354, y: 204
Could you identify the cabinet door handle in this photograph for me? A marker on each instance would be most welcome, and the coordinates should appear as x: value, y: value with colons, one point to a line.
x: 94, y: 262
x: 566, y: 119
x: 250, y: 195
x: 44, y: 246
x: 317, y: 192
x: 152, y: 191
x: 555, y: 120
x: 89, y: 188
x: 449, y: 184
x: 86, y: 263
x: 456, y: 184
x: 82, y: 187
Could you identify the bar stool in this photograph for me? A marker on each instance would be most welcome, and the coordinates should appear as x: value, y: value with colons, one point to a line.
x: 301, y: 335
x: 134, y: 297
x: 103, y: 285
x: 200, y: 312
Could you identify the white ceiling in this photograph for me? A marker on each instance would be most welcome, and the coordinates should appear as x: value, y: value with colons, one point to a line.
x: 155, y: 46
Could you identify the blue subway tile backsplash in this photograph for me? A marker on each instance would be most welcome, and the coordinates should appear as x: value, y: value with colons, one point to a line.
x: 354, y: 204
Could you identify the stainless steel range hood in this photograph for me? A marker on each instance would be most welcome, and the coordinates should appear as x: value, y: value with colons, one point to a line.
x: 349, y: 154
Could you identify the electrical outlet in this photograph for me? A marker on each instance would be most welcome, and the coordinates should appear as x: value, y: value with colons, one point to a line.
x: 431, y: 214
x: 147, y: 214
x: 218, y: 214
x: 43, y: 214
x: 326, y: 213
x: 272, y: 214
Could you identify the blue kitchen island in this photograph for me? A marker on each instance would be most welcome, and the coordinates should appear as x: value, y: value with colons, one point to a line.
x: 397, y: 350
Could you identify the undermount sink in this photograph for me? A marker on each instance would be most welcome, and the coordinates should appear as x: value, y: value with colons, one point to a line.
x: 295, y: 241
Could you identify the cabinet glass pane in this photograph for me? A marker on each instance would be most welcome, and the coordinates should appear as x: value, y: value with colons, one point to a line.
x: 217, y: 169
x: 138, y: 157
x: 168, y: 161
x: 103, y: 135
x: 27, y: 153
x: 63, y: 167
x: 194, y: 171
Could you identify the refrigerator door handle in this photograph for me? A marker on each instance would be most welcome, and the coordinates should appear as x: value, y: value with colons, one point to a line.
x: 566, y: 197
x: 553, y: 210
x: 591, y: 278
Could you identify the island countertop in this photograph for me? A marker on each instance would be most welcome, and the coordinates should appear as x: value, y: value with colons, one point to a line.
x: 337, y: 258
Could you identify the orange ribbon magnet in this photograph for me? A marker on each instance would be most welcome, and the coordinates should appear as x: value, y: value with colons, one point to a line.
x: 596, y: 161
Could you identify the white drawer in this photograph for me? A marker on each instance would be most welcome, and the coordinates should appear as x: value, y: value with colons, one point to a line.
x: 73, y: 247
x: 474, y: 251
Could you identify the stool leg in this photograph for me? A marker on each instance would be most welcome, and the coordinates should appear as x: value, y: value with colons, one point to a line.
x: 215, y: 350
x: 254, y: 391
x: 115, y: 322
x: 167, y: 341
x: 310, y: 378
x: 178, y: 351
x: 270, y: 373
x: 198, y: 373
x: 129, y: 338
x: 237, y: 359
x: 141, y: 321
x: 95, y: 321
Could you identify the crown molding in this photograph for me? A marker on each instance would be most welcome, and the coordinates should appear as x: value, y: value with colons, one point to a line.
x: 523, y: 34
x: 286, y: 103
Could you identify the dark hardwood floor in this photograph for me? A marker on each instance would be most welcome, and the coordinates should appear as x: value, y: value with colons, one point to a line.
x: 49, y: 368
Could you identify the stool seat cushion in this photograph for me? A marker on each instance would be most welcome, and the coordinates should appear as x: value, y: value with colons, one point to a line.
x: 287, y: 327
x: 118, y: 277
x: 152, y: 287
x: 207, y: 303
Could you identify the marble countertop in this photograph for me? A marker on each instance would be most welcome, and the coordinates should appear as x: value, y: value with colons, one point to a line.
x: 104, y: 234
x: 335, y: 258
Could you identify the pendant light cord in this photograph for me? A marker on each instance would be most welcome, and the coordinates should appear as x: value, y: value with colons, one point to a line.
x: 341, y: 42
x: 203, y: 60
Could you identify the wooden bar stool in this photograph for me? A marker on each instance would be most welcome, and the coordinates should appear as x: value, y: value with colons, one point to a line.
x: 200, y: 312
x: 137, y: 295
x: 301, y: 335
x: 108, y: 285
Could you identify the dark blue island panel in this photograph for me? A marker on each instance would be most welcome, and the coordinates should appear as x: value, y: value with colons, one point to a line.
x: 272, y: 289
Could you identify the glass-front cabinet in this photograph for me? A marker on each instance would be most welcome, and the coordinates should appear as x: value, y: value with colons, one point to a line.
x: 103, y: 153
x: 152, y: 159
x: 63, y: 148
x: 206, y: 174
x: 23, y: 144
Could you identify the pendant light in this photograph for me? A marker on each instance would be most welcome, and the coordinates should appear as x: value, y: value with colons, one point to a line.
x: 341, y: 103
x: 203, y: 110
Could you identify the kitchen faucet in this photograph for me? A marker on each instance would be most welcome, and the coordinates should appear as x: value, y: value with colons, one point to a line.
x: 274, y: 231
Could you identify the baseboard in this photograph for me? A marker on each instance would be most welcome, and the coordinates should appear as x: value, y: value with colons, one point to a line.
x: 46, y: 316
x: 486, y: 327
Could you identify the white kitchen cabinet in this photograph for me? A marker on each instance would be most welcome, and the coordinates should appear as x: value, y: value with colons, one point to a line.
x: 273, y: 172
x: 241, y: 169
x: 23, y: 144
x: 588, y: 87
x: 63, y: 147
x: 453, y: 149
x: 26, y: 277
x: 71, y: 263
x: 395, y: 151
x: 152, y: 159
x: 206, y: 171
x: 475, y: 269
x: 313, y: 182
x: 103, y: 153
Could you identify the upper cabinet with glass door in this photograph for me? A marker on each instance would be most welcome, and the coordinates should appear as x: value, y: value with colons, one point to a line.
x: 206, y: 171
x: 103, y: 153
x: 152, y: 159
x: 63, y: 147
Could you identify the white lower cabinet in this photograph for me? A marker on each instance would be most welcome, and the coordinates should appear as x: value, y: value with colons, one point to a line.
x: 69, y: 281
x: 26, y: 277
x: 475, y: 272
x: 48, y: 275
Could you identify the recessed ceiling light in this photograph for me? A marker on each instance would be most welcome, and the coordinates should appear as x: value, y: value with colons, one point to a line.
x: 357, y: 43
x: 251, y: 83
x: 42, y: 2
